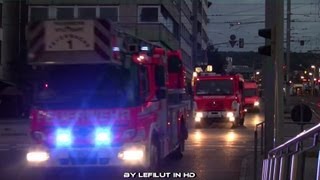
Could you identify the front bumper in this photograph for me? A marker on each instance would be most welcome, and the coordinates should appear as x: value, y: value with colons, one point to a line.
x: 228, y: 116
x: 251, y: 107
x: 126, y: 155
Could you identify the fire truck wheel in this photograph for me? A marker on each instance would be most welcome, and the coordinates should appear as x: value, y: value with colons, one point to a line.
x: 236, y: 123
x: 154, y: 155
x: 176, y: 154
x: 241, y: 122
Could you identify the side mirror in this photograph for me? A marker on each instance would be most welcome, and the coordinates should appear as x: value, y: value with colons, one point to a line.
x: 161, y: 93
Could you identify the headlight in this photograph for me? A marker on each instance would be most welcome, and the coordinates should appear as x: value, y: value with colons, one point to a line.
x: 37, y: 156
x: 63, y: 137
x: 230, y: 114
x: 199, y: 114
x: 232, y: 119
x: 102, y: 136
x: 256, y: 103
x: 197, y: 119
x: 132, y: 154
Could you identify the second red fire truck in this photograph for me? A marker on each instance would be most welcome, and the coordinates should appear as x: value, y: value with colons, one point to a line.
x: 218, y: 98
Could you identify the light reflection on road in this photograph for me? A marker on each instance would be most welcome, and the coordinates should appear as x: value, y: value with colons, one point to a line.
x: 231, y: 137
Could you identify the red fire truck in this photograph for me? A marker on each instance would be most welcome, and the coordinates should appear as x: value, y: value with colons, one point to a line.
x: 251, y: 96
x: 103, y: 97
x: 218, y: 98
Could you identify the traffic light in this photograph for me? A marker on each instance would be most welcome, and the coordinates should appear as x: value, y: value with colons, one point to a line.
x: 265, y: 50
x: 241, y: 42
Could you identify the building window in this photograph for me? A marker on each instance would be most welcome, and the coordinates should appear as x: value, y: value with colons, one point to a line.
x: 0, y: 15
x: 167, y: 20
x: 38, y: 13
x: 87, y: 12
x: 111, y: 13
x: 148, y: 13
x: 0, y: 52
x: 65, y: 13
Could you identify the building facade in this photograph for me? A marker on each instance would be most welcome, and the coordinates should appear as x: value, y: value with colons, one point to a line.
x: 168, y: 23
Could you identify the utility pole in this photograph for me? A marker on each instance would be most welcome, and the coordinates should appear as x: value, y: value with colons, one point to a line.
x: 12, y: 38
x: 279, y: 61
x: 268, y: 84
x: 288, y: 48
x: 194, y: 31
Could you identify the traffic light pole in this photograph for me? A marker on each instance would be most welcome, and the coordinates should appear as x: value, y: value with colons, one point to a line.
x: 268, y: 85
x: 288, y: 48
x: 279, y: 62
x: 273, y: 74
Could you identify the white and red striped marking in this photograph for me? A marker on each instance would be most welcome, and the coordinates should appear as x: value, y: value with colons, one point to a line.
x: 102, y: 32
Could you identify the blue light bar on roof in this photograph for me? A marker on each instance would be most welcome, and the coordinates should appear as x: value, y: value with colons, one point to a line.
x: 115, y: 49
x: 144, y: 48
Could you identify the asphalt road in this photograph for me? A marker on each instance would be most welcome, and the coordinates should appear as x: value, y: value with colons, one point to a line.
x: 215, y: 153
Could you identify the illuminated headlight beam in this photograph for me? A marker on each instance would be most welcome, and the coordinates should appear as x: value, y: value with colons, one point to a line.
x: 132, y: 155
x: 37, y: 156
x: 256, y: 103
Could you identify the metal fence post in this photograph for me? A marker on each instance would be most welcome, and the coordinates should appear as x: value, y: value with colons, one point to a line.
x: 282, y: 169
x: 262, y: 139
x: 318, y: 167
x: 294, y: 167
x: 265, y: 169
x: 276, y: 168
x: 255, y: 161
x: 270, y: 169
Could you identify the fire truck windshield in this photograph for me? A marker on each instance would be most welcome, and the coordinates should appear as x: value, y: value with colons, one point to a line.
x: 85, y: 86
x: 214, y: 87
x: 250, y: 92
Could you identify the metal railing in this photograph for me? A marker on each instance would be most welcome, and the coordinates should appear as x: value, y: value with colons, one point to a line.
x: 287, y: 161
x: 260, y: 126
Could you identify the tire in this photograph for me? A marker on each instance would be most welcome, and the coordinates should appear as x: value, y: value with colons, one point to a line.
x: 154, y: 161
x: 177, y: 154
x: 241, y: 121
x: 236, y: 123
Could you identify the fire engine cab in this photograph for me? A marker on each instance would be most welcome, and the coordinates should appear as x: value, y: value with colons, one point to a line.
x: 251, y: 96
x: 102, y: 100
x: 218, y: 98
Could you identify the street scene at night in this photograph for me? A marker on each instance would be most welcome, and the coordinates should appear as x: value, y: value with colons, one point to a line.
x: 170, y: 89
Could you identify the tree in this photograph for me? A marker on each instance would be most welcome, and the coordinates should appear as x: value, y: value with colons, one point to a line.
x: 215, y: 59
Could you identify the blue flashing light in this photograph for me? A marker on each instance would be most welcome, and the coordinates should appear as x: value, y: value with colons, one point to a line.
x: 102, y: 136
x: 144, y: 48
x: 63, y: 137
